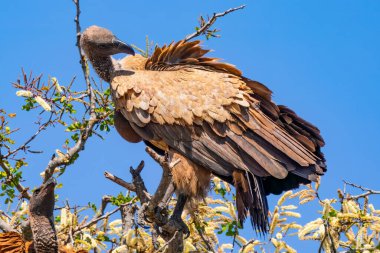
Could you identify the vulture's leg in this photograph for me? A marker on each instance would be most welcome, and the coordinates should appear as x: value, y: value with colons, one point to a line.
x: 161, y: 210
x: 191, y: 183
x: 175, y: 222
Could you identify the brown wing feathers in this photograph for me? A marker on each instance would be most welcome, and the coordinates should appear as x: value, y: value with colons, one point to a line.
x: 302, y: 130
x: 186, y: 53
x: 223, y: 122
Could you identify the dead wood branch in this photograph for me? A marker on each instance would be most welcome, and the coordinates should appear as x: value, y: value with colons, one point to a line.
x: 5, y: 227
x: 119, y: 181
x: 138, y: 182
x: 153, y: 207
x: 128, y: 219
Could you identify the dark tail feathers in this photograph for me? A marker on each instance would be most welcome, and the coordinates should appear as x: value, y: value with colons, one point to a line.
x: 251, y: 199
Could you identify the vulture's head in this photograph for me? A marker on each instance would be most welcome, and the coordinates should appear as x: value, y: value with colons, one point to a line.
x: 99, y: 41
x: 42, y: 200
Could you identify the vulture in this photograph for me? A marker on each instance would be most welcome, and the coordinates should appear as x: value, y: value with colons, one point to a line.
x: 41, y: 208
x: 216, y: 121
x: 41, y: 219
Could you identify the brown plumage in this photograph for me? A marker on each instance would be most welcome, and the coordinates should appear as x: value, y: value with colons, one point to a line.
x: 41, y: 218
x: 214, y: 118
x: 12, y: 242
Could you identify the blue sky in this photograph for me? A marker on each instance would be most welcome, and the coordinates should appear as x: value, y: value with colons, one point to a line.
x: 321, y: 58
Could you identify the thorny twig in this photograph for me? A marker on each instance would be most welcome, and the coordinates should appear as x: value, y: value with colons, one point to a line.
x: 246, y: 245
x: 204, y: 239
x: 210, y: 22
x: 25, y: 145
x: 102, y: 217
x: 367, y: 191
x: 83, y: 62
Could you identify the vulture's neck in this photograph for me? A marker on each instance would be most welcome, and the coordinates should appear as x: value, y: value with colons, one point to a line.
x: 44, y: 235
x: 103, y: 66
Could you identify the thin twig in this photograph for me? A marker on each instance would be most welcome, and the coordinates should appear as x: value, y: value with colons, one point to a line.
x: 5, y: 214
x: 367, y: 191
x: 210, y: 22
x: 102, y: 217
x: 83, y: 61
x: 24, y: 146
x: 167, y: 243
x: 246, y: 245
x: 320, y: 248
x: 208, y: 245
x: 79, y: 145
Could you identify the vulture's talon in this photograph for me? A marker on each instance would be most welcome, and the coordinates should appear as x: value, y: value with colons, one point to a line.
x: 175, y: 224
x: 161, y: 215
x: 158, y: 229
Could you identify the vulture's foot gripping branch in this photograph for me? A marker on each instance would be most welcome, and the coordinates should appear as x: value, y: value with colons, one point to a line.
x: 154, y: 208
x: 175, y: 222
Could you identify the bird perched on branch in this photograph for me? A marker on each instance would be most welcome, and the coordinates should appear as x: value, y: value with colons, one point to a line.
x: 208, y: 115
x: 41, y: 219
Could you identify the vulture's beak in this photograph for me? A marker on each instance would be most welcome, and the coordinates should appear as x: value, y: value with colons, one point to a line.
x: 51, y: 182
x: 122, y: 47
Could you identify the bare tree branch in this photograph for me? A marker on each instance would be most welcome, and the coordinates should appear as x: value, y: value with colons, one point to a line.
x: 5, y: 227
x: 58, y: 161
x: 105, y: 200
x: 119, y: 181
x: 166, y: 181
x: 210, y: 22
x: 128, y: 219
x: 138, y: 182
x: 154, y: 208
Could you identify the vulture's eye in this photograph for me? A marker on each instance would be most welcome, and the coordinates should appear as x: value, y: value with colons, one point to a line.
x: 103, y: 46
